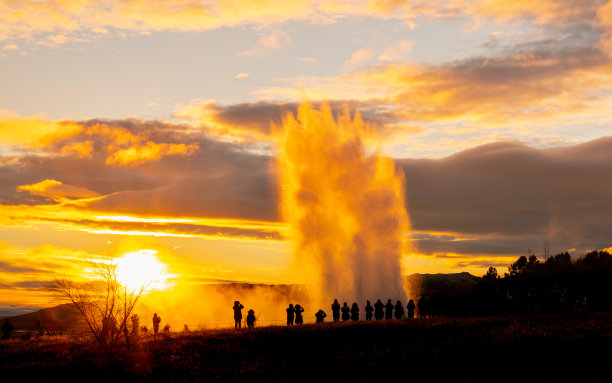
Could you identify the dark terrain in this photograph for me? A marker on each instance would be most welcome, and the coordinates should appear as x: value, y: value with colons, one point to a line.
x: 533, y: 347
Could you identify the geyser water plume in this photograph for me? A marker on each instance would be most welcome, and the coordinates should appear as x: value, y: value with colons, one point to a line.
x: 345, y: 208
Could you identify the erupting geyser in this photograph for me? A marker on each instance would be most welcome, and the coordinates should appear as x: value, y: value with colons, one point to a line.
x: 345, y: 208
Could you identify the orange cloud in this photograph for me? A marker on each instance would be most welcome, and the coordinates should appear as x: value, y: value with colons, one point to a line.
x: 31, y: 132
x: 151, y: 151
x: 604, y: 15
x: 543, y: 11
x: 57, y: 191
x: 28, y: 18
x: 208, y: 115
x: 82, y: 139
x: 81, y: 149
x: 544, y: 83
x: 251, y: 122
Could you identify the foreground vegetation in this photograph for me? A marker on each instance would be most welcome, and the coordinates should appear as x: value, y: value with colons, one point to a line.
x: 548, y: 347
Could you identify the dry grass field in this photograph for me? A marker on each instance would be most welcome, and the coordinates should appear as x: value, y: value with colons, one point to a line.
x: 524, y: 348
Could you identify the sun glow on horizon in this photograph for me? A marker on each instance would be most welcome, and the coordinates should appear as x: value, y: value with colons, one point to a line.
x: 142, y: 269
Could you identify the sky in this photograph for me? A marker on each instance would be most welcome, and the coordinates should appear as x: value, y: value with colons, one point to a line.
x: 128, y: 125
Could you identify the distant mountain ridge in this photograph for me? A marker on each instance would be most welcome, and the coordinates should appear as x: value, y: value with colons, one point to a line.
x: 441, y: 284
x: 58, y: 318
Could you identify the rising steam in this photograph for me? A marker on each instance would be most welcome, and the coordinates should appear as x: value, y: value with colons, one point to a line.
x: 345, y: 208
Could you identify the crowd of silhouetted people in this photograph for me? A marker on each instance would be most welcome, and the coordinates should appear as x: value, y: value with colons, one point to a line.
x: 378, y: 311
x: 295, y: 315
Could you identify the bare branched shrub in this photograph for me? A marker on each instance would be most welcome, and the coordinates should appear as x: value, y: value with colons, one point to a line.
x: 104, y: 303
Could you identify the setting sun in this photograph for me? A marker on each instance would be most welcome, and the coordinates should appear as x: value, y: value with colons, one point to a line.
x: 142, y: 269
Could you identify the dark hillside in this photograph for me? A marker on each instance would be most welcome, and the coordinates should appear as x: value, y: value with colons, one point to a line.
x: 515, y: 348
x: 57, y: 318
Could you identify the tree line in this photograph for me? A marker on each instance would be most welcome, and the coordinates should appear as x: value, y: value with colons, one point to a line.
x: 555, y: 284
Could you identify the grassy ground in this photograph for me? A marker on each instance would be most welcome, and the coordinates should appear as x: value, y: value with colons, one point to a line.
x: 528, y: 348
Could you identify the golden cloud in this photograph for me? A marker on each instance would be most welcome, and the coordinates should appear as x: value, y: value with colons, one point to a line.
x: 80, y: 149
x: 604, y: 15
x: 57, y: 191
x: 536, y: 85
x: 150, y: 151
x: 81, y: 139
x: 32, y: 132
x: 543, y: 11
x: 24, y: 19
x: 208, y: 115
x: 27, y: 18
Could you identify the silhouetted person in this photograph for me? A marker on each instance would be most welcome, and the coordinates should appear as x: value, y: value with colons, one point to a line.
x: 39, y: 328
x: 135, y: 325
x: 355, y: 312
x: 290, y: 315
x: 320, y: 315
x: 378, y: 310
x: 411, y: 306
x: 251, y: 318
x: 156, y: 322
x: 422, y: 305
x: 336, y: 310
x: 389, y: 310
x: 369, y: 309
x: 237, y: 314
x: 7, y: 328
x: 399, y: 310
x: 346, y: 312
x: 298, y: 314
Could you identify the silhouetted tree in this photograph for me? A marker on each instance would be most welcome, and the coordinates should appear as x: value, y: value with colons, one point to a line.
x: 518, y: 267
x: 491, y: 274
x: 103, y: 302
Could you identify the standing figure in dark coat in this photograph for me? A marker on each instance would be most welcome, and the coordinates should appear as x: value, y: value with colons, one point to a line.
x: 237, y: 314
x: 354, y: 312
x: 410, y: 308
x: 346, y: 312
x: 320, y: 315
x: 290, y: 314
x: 251, y: 318
x: 378, y: 310
x: 399, y: 310
x: 156, y: 322
x: 298, y: 314
x: 135, y: 326
x: 422, y: 305
x: 39, y: 328
x: 336, y: 310
x: 369, y: 309
x: 7, y: 328
x: 389, y: 310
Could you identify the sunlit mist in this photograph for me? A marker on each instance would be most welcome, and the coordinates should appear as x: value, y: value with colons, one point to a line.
x: 346, y: 208
x: 142, y: 269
